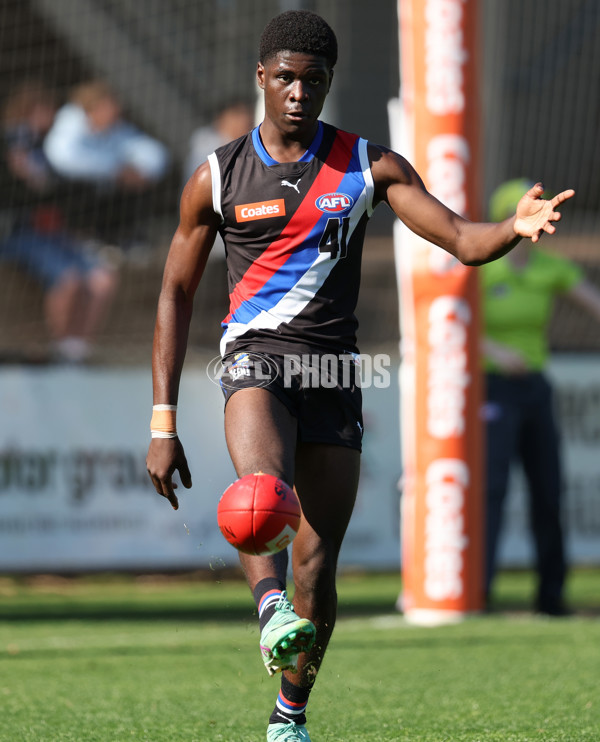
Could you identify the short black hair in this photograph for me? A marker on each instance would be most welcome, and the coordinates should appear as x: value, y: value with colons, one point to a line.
x: 298, y: 31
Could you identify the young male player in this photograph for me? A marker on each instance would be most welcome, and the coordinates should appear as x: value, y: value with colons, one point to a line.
x: 291, y: 201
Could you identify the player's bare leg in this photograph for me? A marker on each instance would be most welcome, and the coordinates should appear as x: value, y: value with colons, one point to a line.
x: 261, y: 436
x: 326, y: 482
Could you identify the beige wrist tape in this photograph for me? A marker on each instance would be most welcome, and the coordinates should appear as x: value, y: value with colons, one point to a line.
x: 164, y: 421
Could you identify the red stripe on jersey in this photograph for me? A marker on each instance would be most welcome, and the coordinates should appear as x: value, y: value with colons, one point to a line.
x: 276, y: 254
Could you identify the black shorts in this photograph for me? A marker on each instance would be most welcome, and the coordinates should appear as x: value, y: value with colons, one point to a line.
x: 322, y: 391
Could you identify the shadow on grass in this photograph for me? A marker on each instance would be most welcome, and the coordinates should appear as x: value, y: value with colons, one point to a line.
x: 69, y: 610
x: 221, y: 614
x: 216, y: 597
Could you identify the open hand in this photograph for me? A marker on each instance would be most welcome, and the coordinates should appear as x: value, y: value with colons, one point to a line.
x: 536, y: 215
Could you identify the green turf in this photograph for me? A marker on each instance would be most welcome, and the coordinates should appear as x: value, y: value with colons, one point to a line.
x: 113, y: 658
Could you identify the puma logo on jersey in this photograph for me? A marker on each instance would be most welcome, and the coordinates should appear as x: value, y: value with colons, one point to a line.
x: 292, y: 185
x: 260, y: 210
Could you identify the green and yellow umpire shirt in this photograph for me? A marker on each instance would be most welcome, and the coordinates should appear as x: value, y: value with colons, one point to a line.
x: 517, y: 302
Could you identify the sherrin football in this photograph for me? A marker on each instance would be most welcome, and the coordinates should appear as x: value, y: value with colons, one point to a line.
x: 259, y: 514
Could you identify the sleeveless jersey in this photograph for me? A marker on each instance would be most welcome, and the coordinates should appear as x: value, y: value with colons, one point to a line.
x: 293, y: 235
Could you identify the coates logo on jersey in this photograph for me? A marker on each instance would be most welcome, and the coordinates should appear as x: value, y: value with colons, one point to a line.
x: 260, y: 210
x: 334, y: 202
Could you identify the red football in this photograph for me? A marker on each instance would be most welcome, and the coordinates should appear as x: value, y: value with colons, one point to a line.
x: 259, y: 514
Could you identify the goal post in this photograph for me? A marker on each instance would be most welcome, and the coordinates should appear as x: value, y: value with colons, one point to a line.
x: 436, y: 126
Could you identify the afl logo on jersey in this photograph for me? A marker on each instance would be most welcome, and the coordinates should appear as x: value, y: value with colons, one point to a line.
x: 334, y: 202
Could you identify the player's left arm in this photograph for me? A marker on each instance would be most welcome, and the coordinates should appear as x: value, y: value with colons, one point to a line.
x: 473, y: 243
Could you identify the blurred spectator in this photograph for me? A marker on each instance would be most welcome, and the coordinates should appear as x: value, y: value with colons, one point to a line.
x: 91, y: 144
x: 518, y: 296
x: 233, y: 120
x: 79, y: 288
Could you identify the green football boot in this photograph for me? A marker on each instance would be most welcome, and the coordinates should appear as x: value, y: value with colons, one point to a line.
x: 284, y: 637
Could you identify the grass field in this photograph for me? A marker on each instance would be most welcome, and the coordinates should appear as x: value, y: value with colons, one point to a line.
x: 112, y: 658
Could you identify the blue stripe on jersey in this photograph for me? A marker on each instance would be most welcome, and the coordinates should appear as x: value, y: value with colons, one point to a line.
x: 281, y: 282
x: 306, y: 157
x: 302, y: 258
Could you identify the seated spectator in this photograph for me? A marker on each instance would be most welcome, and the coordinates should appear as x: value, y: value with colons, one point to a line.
x: 79, y: 288
x: 91, y: 145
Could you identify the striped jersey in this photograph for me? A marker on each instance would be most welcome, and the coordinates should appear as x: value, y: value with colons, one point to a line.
x: 293, y: 235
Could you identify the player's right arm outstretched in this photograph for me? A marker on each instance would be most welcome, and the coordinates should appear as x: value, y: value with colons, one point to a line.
x: 185, y: 264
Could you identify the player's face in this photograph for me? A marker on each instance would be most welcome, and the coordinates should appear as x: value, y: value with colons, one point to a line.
x: 295, y: 87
